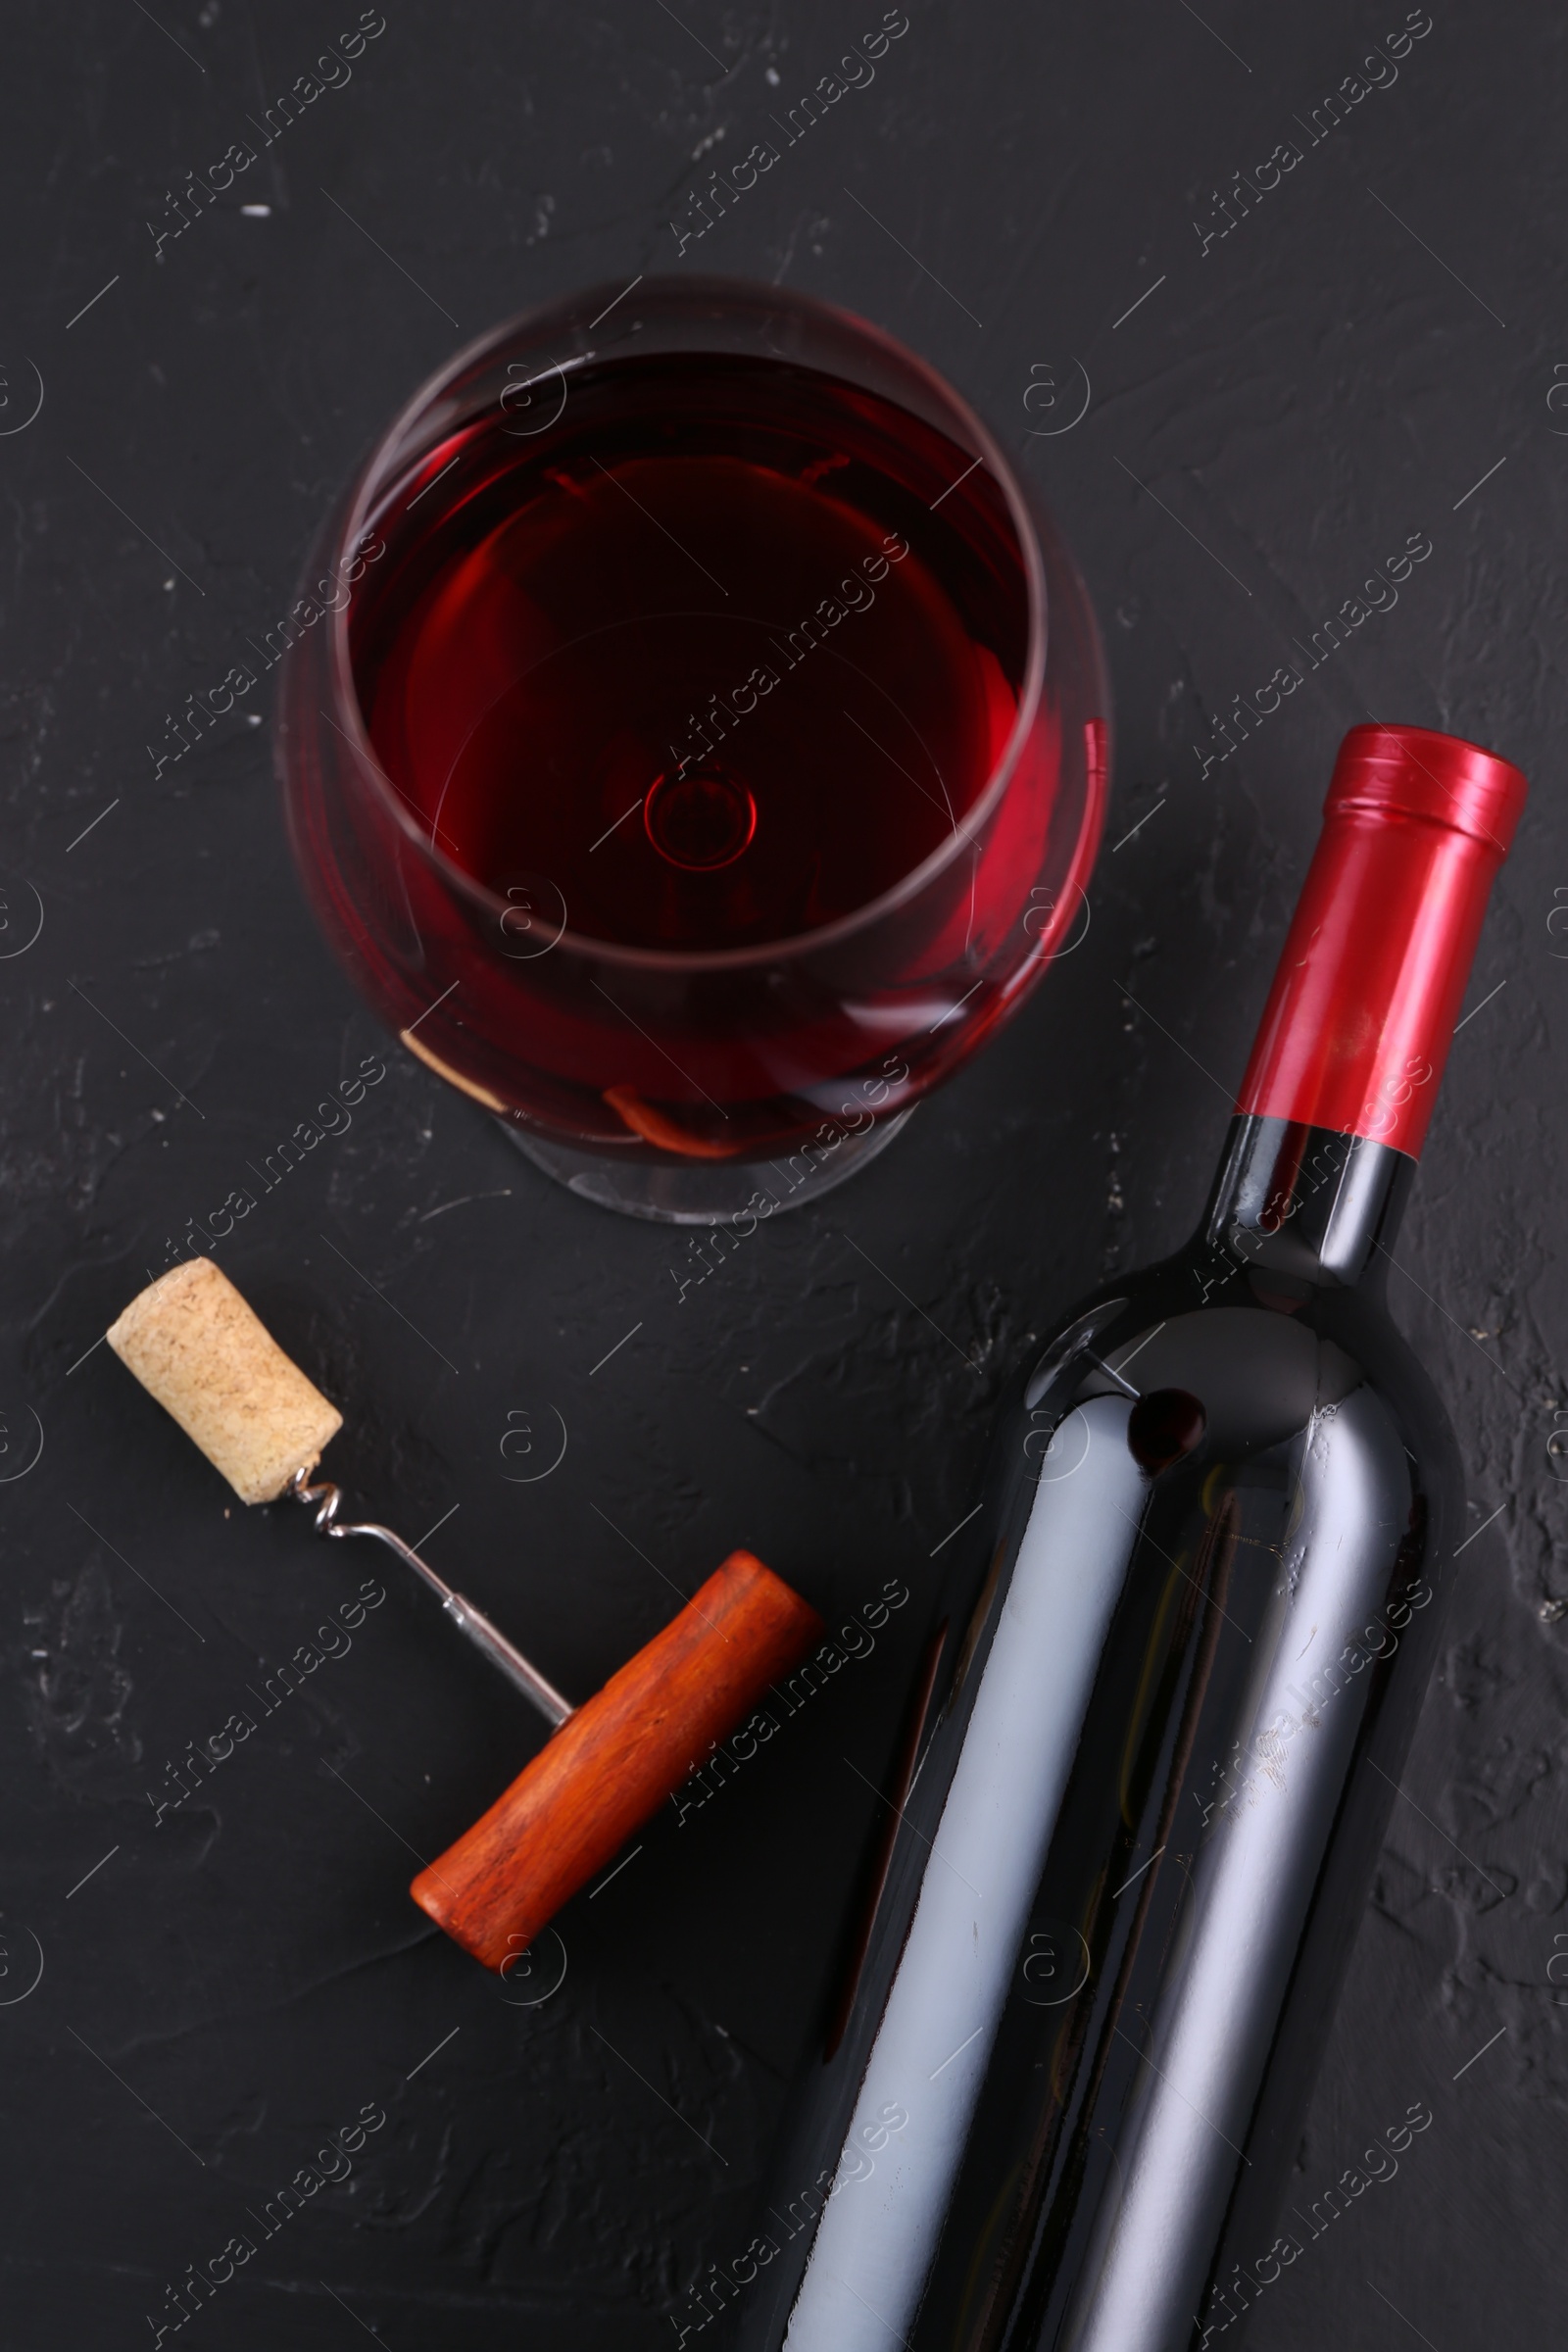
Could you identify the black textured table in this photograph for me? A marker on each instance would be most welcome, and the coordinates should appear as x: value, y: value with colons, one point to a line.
x: 1242, y: 397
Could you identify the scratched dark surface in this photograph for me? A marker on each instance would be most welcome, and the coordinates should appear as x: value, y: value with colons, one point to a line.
x: 244, y: 1976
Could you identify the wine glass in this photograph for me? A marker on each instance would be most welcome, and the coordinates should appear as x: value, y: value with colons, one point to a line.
x: 694, y: 740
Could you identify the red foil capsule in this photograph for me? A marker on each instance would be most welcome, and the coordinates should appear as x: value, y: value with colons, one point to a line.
x: 1363, y: 1007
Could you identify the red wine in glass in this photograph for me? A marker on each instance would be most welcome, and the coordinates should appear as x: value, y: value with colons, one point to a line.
x: 699, y: 788
x: 682, y: 657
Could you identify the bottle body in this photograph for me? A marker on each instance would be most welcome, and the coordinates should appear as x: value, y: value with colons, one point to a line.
x: 1177, y: 1676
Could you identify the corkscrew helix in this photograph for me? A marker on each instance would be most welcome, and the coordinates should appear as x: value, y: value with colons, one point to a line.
x: 328, y: 1499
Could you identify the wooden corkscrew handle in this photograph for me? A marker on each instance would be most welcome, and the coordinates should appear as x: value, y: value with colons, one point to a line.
x: 614, y: 1762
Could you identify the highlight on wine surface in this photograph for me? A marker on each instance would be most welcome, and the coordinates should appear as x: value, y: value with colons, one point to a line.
x: 1174, y: 1671
x: 706, y: 746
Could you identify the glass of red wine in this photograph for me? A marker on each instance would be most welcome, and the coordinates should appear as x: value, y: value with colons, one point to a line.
x: 694, y: 739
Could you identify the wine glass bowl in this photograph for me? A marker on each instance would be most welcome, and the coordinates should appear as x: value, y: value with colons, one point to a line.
x: 700, y: 744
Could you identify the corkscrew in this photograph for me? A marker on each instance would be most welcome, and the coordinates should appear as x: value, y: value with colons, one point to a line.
x: 196, y: 1346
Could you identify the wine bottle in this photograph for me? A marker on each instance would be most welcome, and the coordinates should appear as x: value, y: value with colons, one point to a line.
x: 1169, y: 1694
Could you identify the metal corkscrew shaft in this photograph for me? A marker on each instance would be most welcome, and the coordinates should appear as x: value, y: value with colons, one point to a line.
x: 524, y: 1677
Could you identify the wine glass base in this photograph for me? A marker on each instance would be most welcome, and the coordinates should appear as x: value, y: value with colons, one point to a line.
x: 711, y: 1192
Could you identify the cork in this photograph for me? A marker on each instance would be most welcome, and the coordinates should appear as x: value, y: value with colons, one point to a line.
x: 194, y: 1344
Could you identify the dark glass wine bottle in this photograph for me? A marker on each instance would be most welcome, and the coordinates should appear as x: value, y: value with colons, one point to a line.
x: 1168, y: 1700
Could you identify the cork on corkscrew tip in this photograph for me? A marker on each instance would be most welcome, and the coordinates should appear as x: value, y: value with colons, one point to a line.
x: 193, y: 1342
x: 211, y: 1363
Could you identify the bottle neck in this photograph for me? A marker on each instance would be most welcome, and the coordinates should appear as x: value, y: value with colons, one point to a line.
x: 1361, y: 1014
x: 1363, y: 1011
x: 1310, y: 1204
